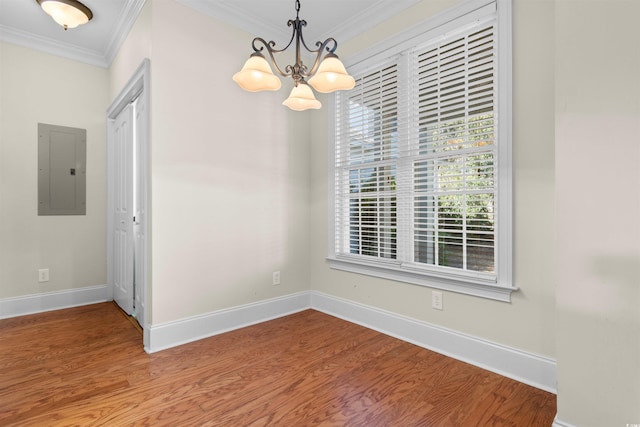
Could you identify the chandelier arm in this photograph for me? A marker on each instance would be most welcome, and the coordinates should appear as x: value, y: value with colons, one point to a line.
x: 271, y: 51
x: 322, y: 46
x: 271, y: 45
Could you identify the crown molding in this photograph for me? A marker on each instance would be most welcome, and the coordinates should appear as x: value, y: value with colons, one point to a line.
x: 375, y: 14
x: 128, y: 16
x: 233, y: 14
x: 57, y: 48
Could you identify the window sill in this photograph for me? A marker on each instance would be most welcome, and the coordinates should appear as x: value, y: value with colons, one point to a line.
x: 463, y: 285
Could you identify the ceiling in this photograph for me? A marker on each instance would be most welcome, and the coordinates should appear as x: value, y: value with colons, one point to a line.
x: 22, y: 22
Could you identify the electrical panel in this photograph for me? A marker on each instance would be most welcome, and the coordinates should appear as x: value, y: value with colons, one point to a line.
x: 62, y: 171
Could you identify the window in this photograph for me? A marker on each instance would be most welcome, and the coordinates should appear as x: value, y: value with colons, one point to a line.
x: 422, y: 166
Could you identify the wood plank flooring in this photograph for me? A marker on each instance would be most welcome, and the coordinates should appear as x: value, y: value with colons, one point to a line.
x: 85, y: 366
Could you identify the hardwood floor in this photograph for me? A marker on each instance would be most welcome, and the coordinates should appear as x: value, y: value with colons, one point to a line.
x: 85, y: 366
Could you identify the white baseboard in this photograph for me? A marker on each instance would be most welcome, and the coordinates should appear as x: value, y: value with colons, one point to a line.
x: 172, y: 334
x: 528, y: 368
x: 559, y: 423
x: 38, y: 303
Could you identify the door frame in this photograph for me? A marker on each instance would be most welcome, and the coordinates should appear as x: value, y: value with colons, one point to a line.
x: 137, y: 86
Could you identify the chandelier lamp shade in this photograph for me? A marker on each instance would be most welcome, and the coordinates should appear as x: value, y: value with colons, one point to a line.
x: 301, y: 98
x: 326, y: 75
x: 67, y: 13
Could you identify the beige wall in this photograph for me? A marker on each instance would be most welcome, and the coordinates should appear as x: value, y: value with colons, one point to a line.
x: 598, y: 212
x: 229, y: 196
x: 40, y: 88
x: 528, y: 321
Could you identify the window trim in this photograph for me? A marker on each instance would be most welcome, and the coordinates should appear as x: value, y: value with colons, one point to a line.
x: 467, y: 283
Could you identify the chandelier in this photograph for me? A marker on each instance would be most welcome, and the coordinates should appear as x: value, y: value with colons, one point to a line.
x: 324, y: 76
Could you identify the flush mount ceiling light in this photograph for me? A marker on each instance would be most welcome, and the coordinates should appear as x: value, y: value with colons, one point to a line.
x: 68, y: 13
x: 326, y: 76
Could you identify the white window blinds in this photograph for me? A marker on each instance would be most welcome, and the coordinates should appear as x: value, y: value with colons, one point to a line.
x: 453, y: 154
x: 367, y: 162
x: 416, y: 157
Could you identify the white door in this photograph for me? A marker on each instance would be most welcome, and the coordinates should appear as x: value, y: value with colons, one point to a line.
x: 123, y: 238
x: 139, y: 214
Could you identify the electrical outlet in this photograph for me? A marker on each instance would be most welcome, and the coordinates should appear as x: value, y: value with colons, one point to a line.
x: 276, y: 278
x: 43, y: 275
x: 436, y: 300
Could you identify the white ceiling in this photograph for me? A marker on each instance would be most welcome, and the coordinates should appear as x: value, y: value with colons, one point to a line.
x: 22, y: 22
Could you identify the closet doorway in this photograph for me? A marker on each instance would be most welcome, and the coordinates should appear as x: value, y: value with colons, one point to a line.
x: 127, y: 201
